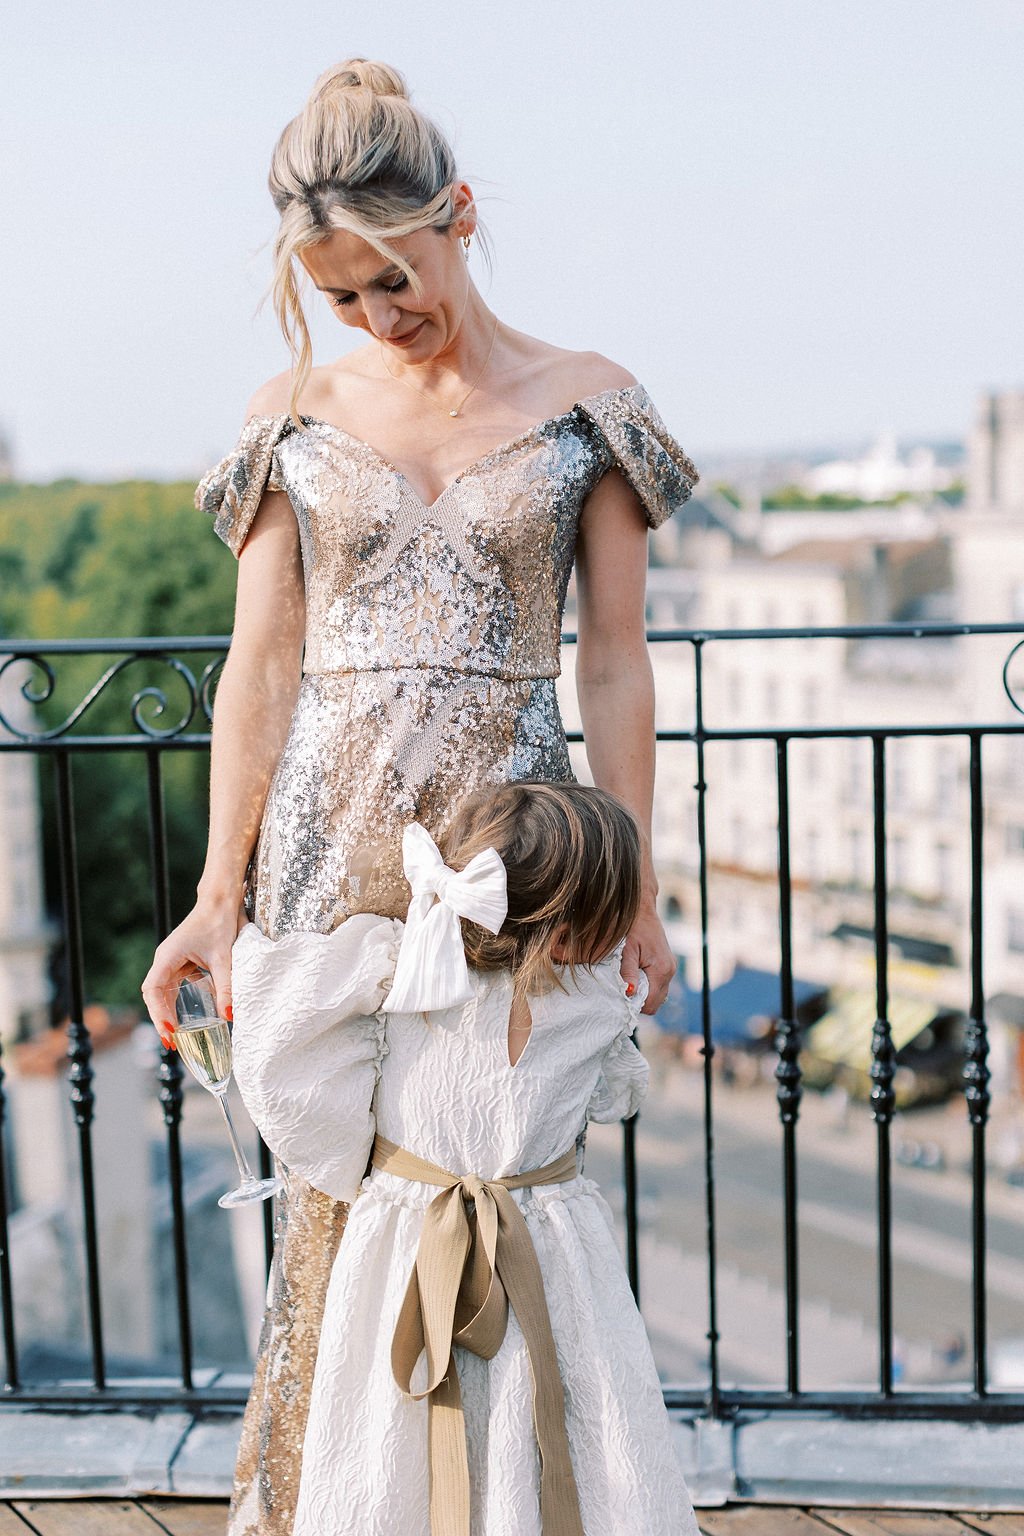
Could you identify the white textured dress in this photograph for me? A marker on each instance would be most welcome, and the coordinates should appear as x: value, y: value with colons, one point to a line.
x: 320, y: 1068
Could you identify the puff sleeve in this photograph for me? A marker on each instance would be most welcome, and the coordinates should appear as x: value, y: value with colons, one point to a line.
x: 307, y: 1042
x: 632, y: 437
x: 625, y: 1074
x: 230, y: 492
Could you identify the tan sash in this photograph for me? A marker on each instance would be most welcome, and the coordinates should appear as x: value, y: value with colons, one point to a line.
x: 467, y: 1270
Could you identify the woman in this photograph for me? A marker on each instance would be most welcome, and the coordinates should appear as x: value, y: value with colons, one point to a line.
x: 405, y: 521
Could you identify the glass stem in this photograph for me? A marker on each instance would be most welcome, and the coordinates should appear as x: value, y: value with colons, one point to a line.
x: 240, y: 1158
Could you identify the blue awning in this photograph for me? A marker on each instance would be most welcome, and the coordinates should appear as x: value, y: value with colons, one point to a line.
x: 738, y: 1006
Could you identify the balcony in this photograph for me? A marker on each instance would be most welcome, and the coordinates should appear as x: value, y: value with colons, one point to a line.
x: 837, y: 1316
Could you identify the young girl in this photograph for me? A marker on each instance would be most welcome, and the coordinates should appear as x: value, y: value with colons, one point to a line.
x: 483, y: 1369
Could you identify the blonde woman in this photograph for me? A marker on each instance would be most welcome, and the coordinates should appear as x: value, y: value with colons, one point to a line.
x: 406, y: 521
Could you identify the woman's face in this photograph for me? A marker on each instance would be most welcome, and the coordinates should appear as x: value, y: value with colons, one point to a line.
x: 375, y: 296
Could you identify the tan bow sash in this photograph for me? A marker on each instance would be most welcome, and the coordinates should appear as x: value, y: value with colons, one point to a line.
x: 467, y: 1270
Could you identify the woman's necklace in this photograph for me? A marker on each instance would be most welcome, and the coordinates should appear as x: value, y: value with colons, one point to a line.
x: 471, y: 388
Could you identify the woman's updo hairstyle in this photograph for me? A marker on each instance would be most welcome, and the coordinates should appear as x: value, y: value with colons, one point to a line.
x: 359, y: 157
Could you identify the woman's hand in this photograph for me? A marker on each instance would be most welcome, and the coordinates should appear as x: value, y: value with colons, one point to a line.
x: 204, y: 938
x: 647, y: 949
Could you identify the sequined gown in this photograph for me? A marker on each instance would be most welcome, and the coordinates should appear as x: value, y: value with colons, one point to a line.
x: 429, y: 669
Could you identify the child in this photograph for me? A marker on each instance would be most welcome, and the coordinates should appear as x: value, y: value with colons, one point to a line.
x: 482, y: 1368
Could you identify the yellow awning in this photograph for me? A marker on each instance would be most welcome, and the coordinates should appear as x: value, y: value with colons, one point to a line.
x: 844, y: 1033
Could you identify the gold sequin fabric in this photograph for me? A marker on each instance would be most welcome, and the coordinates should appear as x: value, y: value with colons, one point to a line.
x: 429, y: 668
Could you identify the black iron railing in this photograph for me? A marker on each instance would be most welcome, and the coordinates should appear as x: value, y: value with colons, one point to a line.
x: 62, y: 742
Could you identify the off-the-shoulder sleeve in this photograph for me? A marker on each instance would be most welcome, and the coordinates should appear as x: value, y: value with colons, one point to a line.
x: 636, y: 440
x: 625, y: 1074
x: 307, y: 1042
x: 231, y: 490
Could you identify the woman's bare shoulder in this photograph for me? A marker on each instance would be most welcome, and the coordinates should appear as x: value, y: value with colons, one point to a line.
x: 595, y: 373
x: 556, y: 378
x: 577, y: 373
x: 274, y: 397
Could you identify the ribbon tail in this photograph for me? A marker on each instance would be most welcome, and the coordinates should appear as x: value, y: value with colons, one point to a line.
x: 426, y: 1318
x: 481, y: 1316
x: 520, y: 1272
x: 448, y: 1457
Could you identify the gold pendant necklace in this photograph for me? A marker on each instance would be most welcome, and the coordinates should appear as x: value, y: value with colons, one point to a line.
x: 469, y: 391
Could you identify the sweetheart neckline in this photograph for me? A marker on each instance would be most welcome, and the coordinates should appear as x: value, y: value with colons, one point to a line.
x: 499, y: 448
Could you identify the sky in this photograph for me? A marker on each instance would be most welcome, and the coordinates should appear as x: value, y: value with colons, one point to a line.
x: 799, y: 223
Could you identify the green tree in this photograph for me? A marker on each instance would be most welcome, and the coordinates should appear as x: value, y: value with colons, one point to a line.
x: 116, y: 561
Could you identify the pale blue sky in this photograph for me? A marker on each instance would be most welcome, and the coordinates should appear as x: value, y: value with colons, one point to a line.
x: 798, y: 222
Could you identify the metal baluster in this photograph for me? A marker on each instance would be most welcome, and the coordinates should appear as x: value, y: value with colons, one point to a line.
x: 269, y: 1206
x: 976, y: 1080
x: 629, y: 1186
x: 171, y: 1071
x: 788, y: 1075
x: 6, y: 1288
x: 707, y: 1048
x: 79, y: 1054
x: 883, y: 1070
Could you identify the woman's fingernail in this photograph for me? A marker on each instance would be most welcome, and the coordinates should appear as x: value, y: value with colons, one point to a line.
x: 228, y: 1014
x: 630, y: 988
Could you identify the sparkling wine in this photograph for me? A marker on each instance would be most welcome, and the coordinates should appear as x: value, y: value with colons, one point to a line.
x: 206, y: 1051
x: 203, y: 1039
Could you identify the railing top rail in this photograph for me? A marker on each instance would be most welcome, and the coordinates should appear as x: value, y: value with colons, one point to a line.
x: 906, y: 630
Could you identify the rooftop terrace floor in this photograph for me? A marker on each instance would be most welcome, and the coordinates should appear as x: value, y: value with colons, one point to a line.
x: 206, y: 1517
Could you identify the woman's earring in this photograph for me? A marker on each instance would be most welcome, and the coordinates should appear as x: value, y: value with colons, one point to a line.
x: 465, y: 241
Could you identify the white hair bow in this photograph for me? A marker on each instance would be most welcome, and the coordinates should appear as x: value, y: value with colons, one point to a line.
x: 431, y: 971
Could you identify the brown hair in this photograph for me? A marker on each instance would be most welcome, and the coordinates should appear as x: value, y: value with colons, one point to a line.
x: 359, y: 157
x: 572, y: 856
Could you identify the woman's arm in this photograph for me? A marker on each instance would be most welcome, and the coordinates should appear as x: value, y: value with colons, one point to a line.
x: 254, y: 703
x: 615, y: 688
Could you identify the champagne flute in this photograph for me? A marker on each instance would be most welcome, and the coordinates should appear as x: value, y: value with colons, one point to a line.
x: 203, y: 1040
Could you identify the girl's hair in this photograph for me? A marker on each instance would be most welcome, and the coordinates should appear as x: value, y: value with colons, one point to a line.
x: 360, y: 157
x: 572, y: 856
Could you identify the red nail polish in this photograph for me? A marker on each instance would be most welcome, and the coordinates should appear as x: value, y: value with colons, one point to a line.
x: 630, y: 988
x: 228, y: 1013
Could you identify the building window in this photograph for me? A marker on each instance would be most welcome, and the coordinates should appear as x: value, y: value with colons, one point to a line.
x: 898, y: 862
x: 855, y: 765
x: 856, y: 855
x: 897, y: 788
x: 1015, y: 930
x: 673, y: 909
x: 945, y: 775
x: 734, y: 686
